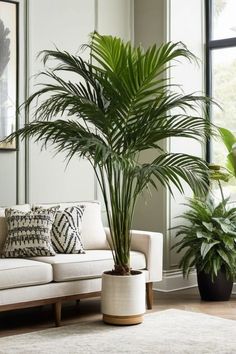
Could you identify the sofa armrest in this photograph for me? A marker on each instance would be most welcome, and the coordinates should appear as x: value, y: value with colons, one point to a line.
x: 151, y: 244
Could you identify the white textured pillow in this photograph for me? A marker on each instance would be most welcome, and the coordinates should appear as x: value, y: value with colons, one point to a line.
x: 66, y: 230
x: 93, y: 233
x: 29, y: 233
x: 3, y: 222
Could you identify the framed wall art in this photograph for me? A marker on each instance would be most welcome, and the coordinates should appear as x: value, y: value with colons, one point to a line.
x: 8, y: 71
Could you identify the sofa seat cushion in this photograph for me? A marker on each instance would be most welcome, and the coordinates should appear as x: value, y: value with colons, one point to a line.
x: 90, y: 265
x: 17, y: 272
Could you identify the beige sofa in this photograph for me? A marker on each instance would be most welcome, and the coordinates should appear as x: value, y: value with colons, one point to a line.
x: 52, y: 280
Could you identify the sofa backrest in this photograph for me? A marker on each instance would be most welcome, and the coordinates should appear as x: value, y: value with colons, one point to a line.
x: 3, y: 224
x: 93, y: 234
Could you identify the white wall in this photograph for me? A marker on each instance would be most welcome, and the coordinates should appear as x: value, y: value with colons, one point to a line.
x: 186, y: 26
x: 190, y: 76
x: 65, y: 24
x: 7, y: 178
x: 157, y: 21
x: 149, y: 29
x: 149, y: 22
x: 115, y: 17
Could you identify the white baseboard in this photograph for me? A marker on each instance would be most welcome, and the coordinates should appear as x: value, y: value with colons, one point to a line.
x: 173, y: 280
x: 234, y: 289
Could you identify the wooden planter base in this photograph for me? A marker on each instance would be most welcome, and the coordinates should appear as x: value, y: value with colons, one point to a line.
x: 123, y: 320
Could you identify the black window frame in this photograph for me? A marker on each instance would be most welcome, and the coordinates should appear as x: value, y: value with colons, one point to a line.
x: 212, y: 44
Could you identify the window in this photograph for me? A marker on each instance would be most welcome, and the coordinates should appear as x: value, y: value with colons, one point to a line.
x: 221, y: 69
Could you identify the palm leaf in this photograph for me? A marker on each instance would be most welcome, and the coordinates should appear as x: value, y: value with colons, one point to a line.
x: 173, y: 169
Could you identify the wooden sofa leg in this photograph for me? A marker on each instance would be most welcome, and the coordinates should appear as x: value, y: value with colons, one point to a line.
x: 57, y: 313
x: 149, y: 295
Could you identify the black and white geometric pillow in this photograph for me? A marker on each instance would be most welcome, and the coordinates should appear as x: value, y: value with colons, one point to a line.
x: 29, y: 234
x: 66, y: 230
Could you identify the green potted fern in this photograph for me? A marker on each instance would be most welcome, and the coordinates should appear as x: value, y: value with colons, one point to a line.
x: 120, y: 104
x: 208, y: 239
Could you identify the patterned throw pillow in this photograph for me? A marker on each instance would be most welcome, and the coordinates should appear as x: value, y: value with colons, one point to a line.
x: 29, y: 234
x: 66, y: 230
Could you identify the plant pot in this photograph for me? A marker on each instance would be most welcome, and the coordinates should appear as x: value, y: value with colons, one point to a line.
x: 123, y: 298
x: 219, y: 290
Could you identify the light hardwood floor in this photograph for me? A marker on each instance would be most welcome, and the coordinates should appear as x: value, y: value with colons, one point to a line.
x: 34, y: 319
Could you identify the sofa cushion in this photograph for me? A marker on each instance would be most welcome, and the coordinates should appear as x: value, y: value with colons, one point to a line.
x: 92, y: 231
x: 16, y: 272
x: 90, y: 265
x: 3, y: 224
x: 29, y: 233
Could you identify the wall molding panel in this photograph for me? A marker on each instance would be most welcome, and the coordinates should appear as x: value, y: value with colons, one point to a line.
x: 44, y: 174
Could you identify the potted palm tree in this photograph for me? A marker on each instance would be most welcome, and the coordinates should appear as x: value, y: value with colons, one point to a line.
x: 120, y: 104
x: 208, y: 239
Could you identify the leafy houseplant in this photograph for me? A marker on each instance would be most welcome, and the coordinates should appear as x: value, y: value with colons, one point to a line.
x: 119, y: 105
x: 229, y: 140
x: 209, y: 241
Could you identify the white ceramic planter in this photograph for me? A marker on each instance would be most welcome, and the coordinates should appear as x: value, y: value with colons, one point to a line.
x: 123, y: 298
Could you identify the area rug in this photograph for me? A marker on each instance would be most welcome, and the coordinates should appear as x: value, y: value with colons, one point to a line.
x: 167, y: 332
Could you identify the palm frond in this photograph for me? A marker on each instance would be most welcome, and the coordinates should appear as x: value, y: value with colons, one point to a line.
x: 65, y: 136
x: 172, y: 169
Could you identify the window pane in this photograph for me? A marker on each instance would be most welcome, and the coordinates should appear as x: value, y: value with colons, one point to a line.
x: 224, y: 92
x: 223, y: 19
